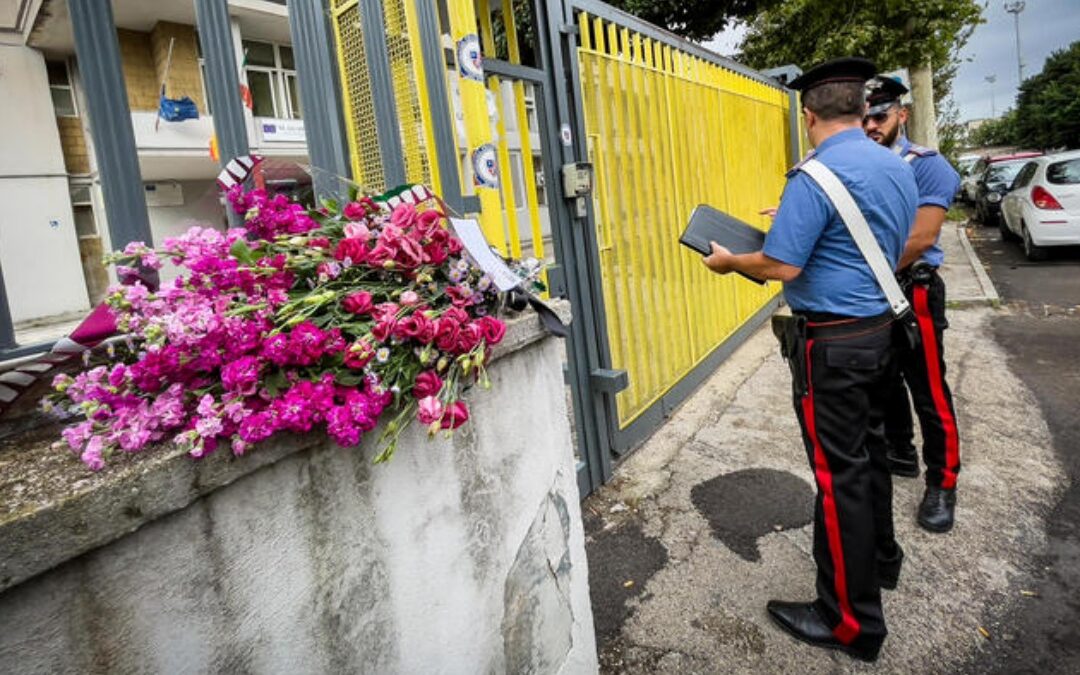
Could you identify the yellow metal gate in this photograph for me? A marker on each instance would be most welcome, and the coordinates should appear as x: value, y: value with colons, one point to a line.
x: 668, y: 130
x: 666, y: 126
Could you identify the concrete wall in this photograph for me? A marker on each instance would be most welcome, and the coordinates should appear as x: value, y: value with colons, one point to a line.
x: 459, y: 556
x: 202, y: 206
x: 38, y: 247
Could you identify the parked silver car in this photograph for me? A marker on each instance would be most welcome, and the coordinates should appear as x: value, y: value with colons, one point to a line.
x: 1042, y: 207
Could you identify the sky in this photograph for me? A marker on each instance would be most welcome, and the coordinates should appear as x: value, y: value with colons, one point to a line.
x: 1045, y: 26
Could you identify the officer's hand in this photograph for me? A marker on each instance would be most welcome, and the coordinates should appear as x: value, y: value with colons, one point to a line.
x: 719, y: 260
x: 770, y: 212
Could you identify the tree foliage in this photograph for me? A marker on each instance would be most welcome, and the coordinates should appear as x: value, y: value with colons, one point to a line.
x: 894, y: 33
x: 951, y: 133
x: 1048, y: 108
x: 694, y: 19
x: 996, y: 132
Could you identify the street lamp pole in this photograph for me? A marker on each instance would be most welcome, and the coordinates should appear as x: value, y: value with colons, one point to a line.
x: 991, y: 79
x: 1015, y: 7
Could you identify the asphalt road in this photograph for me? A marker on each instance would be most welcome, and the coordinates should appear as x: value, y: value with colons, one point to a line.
x: 1042, y: 338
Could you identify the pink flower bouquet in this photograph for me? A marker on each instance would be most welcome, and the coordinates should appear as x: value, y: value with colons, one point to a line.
x: 330, y: 320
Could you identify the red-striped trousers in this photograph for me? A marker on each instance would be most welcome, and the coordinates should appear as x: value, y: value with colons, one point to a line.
x: 840, y: 409
x: 923, y: 371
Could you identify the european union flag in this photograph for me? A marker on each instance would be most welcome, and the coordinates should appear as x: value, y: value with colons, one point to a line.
x: 177, y: 109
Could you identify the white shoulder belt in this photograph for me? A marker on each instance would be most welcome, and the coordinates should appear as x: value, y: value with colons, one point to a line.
x: 860, y: 231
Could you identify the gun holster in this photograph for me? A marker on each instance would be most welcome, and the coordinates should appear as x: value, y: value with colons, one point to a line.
x: 791, y: 333
x: 922, y: 273
x: 907, y: 333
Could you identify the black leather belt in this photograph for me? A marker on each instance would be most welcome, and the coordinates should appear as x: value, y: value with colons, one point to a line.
x: 822, y: 327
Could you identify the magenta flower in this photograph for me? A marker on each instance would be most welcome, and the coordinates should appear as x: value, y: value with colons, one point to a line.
x: 357, y: 231
x: 456, y: 414
x: 357, y: 303
x: 307, y: 343
x: 492, y: 329
x: 428, y: 383
x: 354, y: 211
x: 429, y: 410
x: 229, y: 352
x: 241, y: 376
x: 92, y: 453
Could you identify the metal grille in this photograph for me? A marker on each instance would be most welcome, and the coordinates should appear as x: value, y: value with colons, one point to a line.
x: 359, y: 104
x: 668, y: 130
x: 404, y: 64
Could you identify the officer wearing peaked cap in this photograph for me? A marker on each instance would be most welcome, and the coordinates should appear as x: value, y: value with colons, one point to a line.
x: 838, y: 344
x: 921, y: 367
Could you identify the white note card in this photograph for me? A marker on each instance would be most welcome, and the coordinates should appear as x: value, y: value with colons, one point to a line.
x: 472, y: 237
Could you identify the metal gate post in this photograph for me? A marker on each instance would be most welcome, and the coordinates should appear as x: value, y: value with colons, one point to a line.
x: 98, y: 51
x: 445, y: 138
x: 222, y: 83
x: 794, y: 111
x: 577, y: 250
x: 316, y: 67
x: 7, y: 328
x: 382, y: 93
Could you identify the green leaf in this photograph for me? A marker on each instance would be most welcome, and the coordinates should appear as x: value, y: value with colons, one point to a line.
x: 349, y: 378
x: 276, y: 382
x: 242, y: 252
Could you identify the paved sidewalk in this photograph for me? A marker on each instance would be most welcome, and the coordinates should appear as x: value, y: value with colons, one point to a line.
x: 710, y: 519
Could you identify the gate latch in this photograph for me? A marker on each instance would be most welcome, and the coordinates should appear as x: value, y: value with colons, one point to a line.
x: 609, y: 381
x: 577, y: 185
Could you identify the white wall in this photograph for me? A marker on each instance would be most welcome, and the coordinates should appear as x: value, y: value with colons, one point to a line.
x: 38, y: 247
x: 201, y: 207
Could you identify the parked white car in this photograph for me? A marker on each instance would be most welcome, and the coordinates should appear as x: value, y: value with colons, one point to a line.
x: 1042, y: 207
x: 965, y: 165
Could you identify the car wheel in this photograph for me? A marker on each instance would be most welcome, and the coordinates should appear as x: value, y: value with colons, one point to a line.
x: 1033, y: 252
x: 1006, y: 233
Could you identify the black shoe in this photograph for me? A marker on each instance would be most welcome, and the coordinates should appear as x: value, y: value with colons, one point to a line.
x: 937, y: 509
x: 802, y: 621
x: 888, y: 569
x: 903, y: 462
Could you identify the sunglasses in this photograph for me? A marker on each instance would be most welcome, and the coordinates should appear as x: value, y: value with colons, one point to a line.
x: 877, y: 117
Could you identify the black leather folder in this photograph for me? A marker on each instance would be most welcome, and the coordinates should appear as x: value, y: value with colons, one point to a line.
x: 708, y: 224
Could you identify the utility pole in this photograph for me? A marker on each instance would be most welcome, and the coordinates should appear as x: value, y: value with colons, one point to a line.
x: 991, y: 79
x: 1014, y: 7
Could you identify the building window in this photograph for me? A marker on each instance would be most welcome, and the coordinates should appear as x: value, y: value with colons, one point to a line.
x: 63, y: 97
x: 271, y: 76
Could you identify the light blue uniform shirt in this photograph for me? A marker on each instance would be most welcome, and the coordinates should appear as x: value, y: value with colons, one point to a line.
x: 937, y: 181
x: 808, y: 233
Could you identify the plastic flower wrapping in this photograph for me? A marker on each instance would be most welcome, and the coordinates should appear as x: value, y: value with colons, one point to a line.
x: 331, y: 320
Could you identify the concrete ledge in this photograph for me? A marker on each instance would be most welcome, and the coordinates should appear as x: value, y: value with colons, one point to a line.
x: 53, y: 509
x: 989, y: 293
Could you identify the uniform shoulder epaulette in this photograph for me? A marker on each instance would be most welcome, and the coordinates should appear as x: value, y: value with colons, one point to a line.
x: 795, y: 169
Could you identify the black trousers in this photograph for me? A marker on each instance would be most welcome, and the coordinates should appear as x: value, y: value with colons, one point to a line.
x: 840, y: 409
x: 922, y: 371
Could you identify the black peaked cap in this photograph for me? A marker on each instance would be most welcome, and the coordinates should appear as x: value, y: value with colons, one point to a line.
x: 883, y: 92
x: 846, y: 69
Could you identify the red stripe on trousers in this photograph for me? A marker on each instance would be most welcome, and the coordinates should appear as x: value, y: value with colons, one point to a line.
x: 848, y: 628
x: 937, y: 391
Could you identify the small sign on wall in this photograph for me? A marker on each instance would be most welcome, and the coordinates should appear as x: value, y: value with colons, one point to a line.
x: 164, y: 194
x: 280, y: 131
